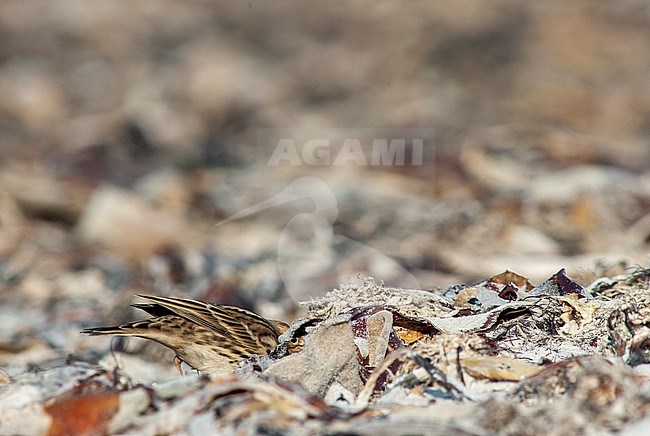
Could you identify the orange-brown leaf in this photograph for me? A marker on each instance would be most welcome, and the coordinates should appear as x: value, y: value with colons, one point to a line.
x: 85, y: 415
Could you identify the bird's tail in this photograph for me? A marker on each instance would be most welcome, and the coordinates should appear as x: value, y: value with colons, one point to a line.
x: 131, y: 329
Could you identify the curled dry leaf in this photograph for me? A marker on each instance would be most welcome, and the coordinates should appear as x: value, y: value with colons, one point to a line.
x: 577, y: 314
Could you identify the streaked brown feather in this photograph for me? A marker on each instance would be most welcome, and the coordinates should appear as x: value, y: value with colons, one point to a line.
x: 208, y: 337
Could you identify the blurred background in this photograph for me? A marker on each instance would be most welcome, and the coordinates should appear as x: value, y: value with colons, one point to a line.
x: 130, y: 130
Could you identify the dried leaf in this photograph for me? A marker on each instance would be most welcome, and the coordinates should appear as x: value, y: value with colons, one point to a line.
x: 508, y: 277
x: 558, y: 284
x: 498, y: 368
x: 85, y: 415
x: 577, y: 313
x: 408, y: 336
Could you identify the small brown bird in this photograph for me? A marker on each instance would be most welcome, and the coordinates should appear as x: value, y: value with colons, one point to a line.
x: 208, y: 337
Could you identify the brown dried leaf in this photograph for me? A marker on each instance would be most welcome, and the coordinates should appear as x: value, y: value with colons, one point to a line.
x: 508, y: 277
x: 86, y: 415
x: 408, y: 336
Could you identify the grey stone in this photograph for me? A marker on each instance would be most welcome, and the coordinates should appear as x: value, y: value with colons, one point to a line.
x: 329, y: 356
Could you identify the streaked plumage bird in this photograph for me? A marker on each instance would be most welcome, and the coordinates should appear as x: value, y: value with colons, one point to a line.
x: 208, y: 337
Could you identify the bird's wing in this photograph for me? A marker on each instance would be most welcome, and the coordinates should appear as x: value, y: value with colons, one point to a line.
x: 153, y: 309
